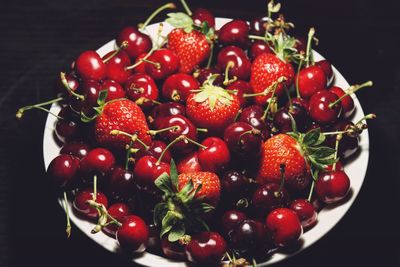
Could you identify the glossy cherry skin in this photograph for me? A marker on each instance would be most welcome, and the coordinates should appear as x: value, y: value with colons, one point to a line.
x: 138, y: 43
x: 133, y: 234
x: 189, y: 163
x: 118, y: 211
x: 146, y: 171
x: 205, y: 73
x: 231, y: 219
x: 301, y: 102
x: 243, y: 140
x: 168, y: 64
x: 164, y: 110
x: 241, y: 64
x: 249, y: 235
x: 90, y: 89
x: 114, y: 90
x: 206, y: 248
x: 339, y: 167
x: 89, y: 66
x: 241, y: 87
x: 257, y: 25
x: 234, y: 186
x: 311, y: 80
x: 216, y: 156
x: 184, y: 127
x: 348, y: 145
x: 252, y: 115
x: 269, y: 197
x: 69, y: 128
x: 235, y: 32
x: 155, y: 149
x: 116, y: 66
x: 201, y: 15
x: 98, y: 161
x: 347, y: 102
x: 283, y: 122
x: 319, y: 109
x: 326, y: 66
x: 121, y: 184
x: 285, y: 227
x: 63, y: 170
x: 72, y: 82
x: 78, y: 149
x: 332, y: 186
x: 259, y: 47
x: 84, y: 208
x: 305, y: 211
x: 177, y: 87
x: 141, y: 88
x: 172, y: 250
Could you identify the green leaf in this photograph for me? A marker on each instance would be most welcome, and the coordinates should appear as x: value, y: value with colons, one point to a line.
x: 321, y: 152
x: 187, y: 188
x: 176, y: 232
x: 163, y: 182
x: 320, y: 140
x: 159, y: 212
x: 316, y: 164
x: 167, y: 223
x: 173, y: 174
x: 180, y: 20
x: 205, y: 207
x: 85, y: 118
x: 101, y: 99
x: 314, y: 173
x: 311, y: 137
x: 201, y: 97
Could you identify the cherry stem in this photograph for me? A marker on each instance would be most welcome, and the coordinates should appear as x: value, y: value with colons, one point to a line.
x: 187, y: 139
x: 156, y: 64
x: 68, y: 227
x: 230, y: 65
x: 133, y: 137
x: 274, y: 85
x: 256, y: 37
x: 103, y: 211
x: 309, y: 57
x: 155, y: 132
x: 94, y: 187
x: 128, y: 155
x: 131, y: 67
x: 175, y: 95
x: 338, y: 138
x: 210, y: 57
x: 179, y: 138
x: 155, y: 13
x: 297, y: 77
x: 186, y: 7
x: 352, y: 89
x: 334, y: 133
x: 121, y: 47
x: 21, y: 111
x: 366, y: 117
x: 141, y: 100
x: 202, y: 130
x: 289, y: 98
x: 311, y: 190
x: 66, y: 85
x: 282, y: 170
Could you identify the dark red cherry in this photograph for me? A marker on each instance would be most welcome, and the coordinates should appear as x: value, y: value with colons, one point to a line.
x: 253, y: 116
x: 205, y: 73
x: 83, y: 208
x: 243, y: 140
x: 326, y: 66
x: 206, y: 248
x: 234, y: 186
x: 347, y: 102
x: 116, y: 66
x: 311, y: 80
x: 305, y: 211
x: 121, y: 184
x: 283, y: 122
x: 114, y: 90
x: 201, y: 15
x: 63, y: 170
x: 164, y: 110
x: 269, y: 197
x: 141, y: 88
x: 300, y: 102
x: 348, y: 145
x: 72, y: 82
x: 118, y: 211
x: 133, y: 234
x: 332, y: 186
x: 146, y: 171
x: 68, y: 128
x: 235, y: 32
x: 172, y: 250
x: 154, y: 243
x: 140, y: 64
x: 301, y: 44
x: 138, y: 42
x: 241, y: 87
x: 285, y: 227
x: 259, y: 47
x: 257, y: 25
x: 98, y: 161
x: 241, y: 65
x: 189, y: 163
x: 90, y: 66
x: 177, y: 87
x: 78, y: 149
x: 339, y: 166
x: 166, y: 61
x: 215, y: 157
x: 321, y: 109
x: 249, y: 235
x: 231, y: 219
x: 155, y: 149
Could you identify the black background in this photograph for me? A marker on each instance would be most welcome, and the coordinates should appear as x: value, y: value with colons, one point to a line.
x: 39, y: 38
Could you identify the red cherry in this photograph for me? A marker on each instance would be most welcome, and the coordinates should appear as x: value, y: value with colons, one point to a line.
x: 285, y: 227
x: 348, y: 145
x: 63, y: 170
x: 166, y: 63
x: 177, y: 87
x: 118, y: 211
x: 269, y: 197
x: 243, y: 140
x: 138, y: 43
x: 230, y: 219
x: 164, y: 110
x: 250, y: 235
x: 241, y: 87
x: 140, y: 64
x: 121, y: 184
x: 173, y: 250
x: 75, y: 148
x: 253, y: 116
x: 201, y: 15
x: 326, y: 66
x: 204, y: 74
x: 321, y: 109
x: 98, y: 161
x: 84, y: 208
x: 310, y: 80
x: 283, y: 121
x: 133, y: 234
x: 206, y: 248
x: 89, y: 66
x: 155, y: 149
x: 305, y: 211
x: 332, y: 186
x: 257, y: 25
x: 116, y: 66
x: 234, y: 186
x: 114, y: 90
x: 300, y: 102
x: 141, y: 88
x: 147, y: 170
x: 339, y: 167
x: 235, y: 32
x: 259, y: 47
x: 241, y: 65
x: 215, y: 157
x: 72, y: 82
x: 69, y: 128
x: 347, y: 102
x: 189, y: 163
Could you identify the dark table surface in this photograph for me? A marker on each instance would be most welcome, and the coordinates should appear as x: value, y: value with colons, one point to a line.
x: 40, y: 38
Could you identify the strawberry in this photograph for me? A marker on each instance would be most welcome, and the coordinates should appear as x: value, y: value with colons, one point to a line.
x: 122, y: 115
x: 267, y: 68
x: 301, y: 154
x: 212, y: 107
x: 190, y: 43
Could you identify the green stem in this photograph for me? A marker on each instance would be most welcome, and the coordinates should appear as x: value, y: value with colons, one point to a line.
x: 256, y: 37
x: 211, y: 55
x: 352, y: 89
x: 179, y: 138
x: 133, y: 137
x: 230, y: 65
x: 21, y: 111
x: 68, y: 227
x: 131, y: 67
x: 311, y: 191
x: 282, y: 171
x: 297, y: 77
x: 334, y: 133
x: 289, y: 98
x: 66, y: 85
x: 121, y: 47
x: 338, y: 138
x: 155, y: 13
x: 186, y: 7
x: 264, y: 116
x: 311, y: 33
x: 155, y: 132
x: 366, y: 117
x: 94, y: 187
x: 156, y: 64
x: 202, y: 130
x: 128, y: 155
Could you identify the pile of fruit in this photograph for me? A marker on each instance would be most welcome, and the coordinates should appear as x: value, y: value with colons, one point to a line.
x: 204, y: 145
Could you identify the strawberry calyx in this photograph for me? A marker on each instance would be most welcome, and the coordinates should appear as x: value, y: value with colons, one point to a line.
x: 101, y: 102
x: 179, y: 210
x: 183, y: 21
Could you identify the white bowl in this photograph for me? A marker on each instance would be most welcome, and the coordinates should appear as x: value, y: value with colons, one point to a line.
x: 327, y: 218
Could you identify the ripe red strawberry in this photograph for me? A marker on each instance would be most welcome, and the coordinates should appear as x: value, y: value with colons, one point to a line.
x: 190, y: 45
x: 300, y: 153
x: 212, y: 107
x: 123, y: 115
